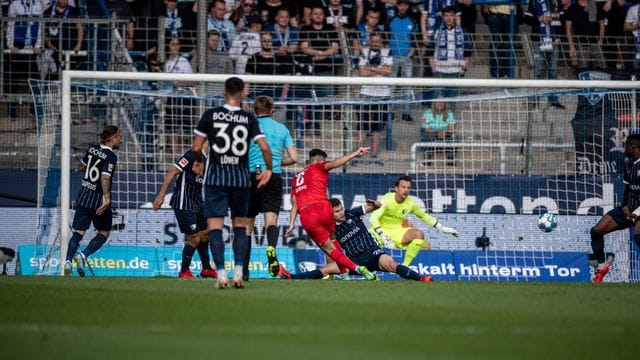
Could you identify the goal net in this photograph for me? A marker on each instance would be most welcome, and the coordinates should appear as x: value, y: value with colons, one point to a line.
x: 486, y: 156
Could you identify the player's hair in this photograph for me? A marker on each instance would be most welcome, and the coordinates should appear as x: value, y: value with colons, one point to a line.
x: 263, y: 105
x: 403, y: 178
x: 317, y: 152
x: 634, y: 138
x: 335, y: 202
x: 108, y: 132
x: 233, y: 86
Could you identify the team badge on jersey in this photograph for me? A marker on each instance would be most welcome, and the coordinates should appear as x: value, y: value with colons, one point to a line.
x: 183, y: 162
x: 404, y: 211
x: 193, y: 226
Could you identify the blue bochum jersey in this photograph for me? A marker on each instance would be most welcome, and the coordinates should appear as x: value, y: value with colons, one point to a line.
x: 188, y: 192
x: 632, y: 184
x: 353, y: 235
x: 229, y: 130
x: 99, y: 160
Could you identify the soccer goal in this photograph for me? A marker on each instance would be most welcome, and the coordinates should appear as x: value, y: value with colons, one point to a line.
x: 486, y: 156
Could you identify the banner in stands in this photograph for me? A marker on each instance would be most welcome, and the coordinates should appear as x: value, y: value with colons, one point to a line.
x: 441, y: 264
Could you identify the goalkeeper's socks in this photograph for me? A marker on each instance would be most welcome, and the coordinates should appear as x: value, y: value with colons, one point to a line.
x: 342, y: 260
x: 315, y: 274
x: 203, y: 252
x: 412, y: 251
x: 187, y: 254
x: 406, y: 273
x: 94, y: 245
x: 74, y: 242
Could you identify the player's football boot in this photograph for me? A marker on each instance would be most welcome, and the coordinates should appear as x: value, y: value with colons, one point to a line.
x: 272, y: 260
x: 362, y: 270
x: 283, y: 273
x: 186, y: 275
x: 223, y: 280
x: 238, y: 279
x: 426, y: 278
x: 601, y: 272
x: 80, y: 261
x: 209, y: 273
x: 67, y: 268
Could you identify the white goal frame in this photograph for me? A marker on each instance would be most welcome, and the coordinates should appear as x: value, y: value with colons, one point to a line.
x: 69, y: 76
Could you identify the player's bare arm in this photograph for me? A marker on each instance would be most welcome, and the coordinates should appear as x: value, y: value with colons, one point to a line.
x: 265, y: 175
x: 168, y: 179
x: 292, y: 216
x: 196, y: 149
x: 372, y: 205
x: 330, y: 165
x: 291, y: 156
x: 105, y: 181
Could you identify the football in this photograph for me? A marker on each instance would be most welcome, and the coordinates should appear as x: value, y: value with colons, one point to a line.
x: 547, y: 222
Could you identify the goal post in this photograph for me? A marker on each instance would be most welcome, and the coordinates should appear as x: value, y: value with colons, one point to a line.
x: 500, y: 154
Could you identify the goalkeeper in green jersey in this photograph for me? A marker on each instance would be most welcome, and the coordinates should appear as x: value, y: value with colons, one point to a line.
x: 388, y: 227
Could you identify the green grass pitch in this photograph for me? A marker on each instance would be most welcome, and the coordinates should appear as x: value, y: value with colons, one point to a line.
x: 132, y: 318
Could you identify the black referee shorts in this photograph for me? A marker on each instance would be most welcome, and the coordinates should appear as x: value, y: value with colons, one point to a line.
x: 267, y: 198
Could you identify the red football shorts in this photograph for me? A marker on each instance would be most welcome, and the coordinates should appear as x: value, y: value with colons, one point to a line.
x: 317, y: 220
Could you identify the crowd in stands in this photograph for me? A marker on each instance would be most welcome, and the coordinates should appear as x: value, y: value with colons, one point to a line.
x: 329, y: 38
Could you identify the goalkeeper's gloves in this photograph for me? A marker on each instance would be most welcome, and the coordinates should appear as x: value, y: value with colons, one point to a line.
x: 386, y: 242
x: 447, y: 230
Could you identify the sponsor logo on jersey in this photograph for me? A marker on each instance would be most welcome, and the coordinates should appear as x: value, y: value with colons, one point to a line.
x: 111, y: 166
x: 183, y: 162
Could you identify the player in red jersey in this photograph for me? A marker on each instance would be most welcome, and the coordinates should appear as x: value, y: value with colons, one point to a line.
x: 309, y: 199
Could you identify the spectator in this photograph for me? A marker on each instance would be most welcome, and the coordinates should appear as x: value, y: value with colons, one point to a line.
x: 225, y: 27
x: 122, y: 10
x: 178, y: 122
x: 245, y: 14
x: 176, y: 22
x: 268, y: 10
x: 468, y: 15
x: 266, y: 62
x: 403, y: 30
x: 375, y: 61
x: 438, y: 124
x: 366, y: 28
x: 614, y: 44
x: 501, y: 60
x: 632, y: 24
x: 24, y: 42
x: 319, y: 41
x: 63, y: 36
x: 217, y: 62
x: 367, y: 5
x: 341, y: 16
x: 450, y: 50
x: 544, y: 18
x: 585, y: 34
x: 244, y: 45
x: 285, y: 35
x: 431, y: 17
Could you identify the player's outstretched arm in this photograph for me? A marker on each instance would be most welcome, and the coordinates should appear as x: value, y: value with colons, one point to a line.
x: 371, y: 205
x: 330, y: 165
x: 447, y: 230
x: 168, y: 179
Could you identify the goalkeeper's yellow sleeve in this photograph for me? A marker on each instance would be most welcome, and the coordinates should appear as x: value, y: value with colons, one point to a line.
x: 426, y: 218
